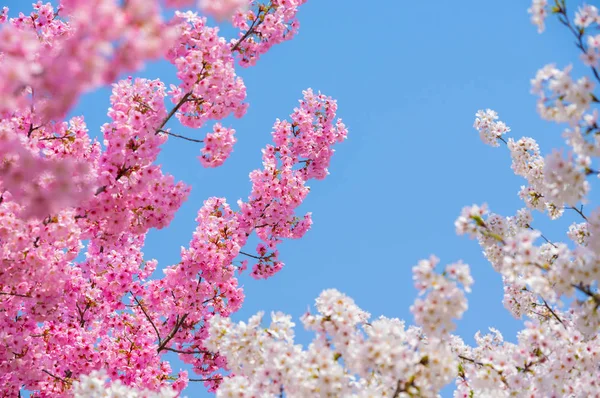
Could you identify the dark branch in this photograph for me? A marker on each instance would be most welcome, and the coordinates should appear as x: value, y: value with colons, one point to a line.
x: 148, y: 318
x: 173, y: 332
x: 207, y: 379
x: 564, y: 19
x: 251, y: 255
x: 187, y: 352
x: 182, y: 101
x: 553, y: 313
x: 55, y: 376
x: 579, y: 211
x: 14, y: 294
x: 179, y: 136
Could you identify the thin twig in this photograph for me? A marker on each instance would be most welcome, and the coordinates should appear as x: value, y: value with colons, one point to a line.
x: 14, y: 294
x: 502, y: 378
x: 579, y: 211
x: 398, y: 390
x: 543, y: 237
x: 149, y: 319
x: 179, y: 136
x: 578, y: 36
x: 182, y: 101
x: 251, y: 30
x: 55, y: 376
x: 172, y: 334
x: 587, y: 291
x: 207, y: 379
x: 186, y: 352
x: 251, y: 255
x: 55, y: 138
x: 553, y: 313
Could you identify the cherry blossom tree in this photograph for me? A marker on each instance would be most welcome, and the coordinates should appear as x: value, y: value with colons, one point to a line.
x: 101, y: 327
x: 68, y: 325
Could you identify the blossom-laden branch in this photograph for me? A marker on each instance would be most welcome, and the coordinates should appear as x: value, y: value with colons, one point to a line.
x: 62, y: 190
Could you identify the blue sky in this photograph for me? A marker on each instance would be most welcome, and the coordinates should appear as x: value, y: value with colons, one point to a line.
x: 409, y: 77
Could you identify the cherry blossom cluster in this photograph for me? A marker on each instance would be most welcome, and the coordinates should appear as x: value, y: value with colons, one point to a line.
x: 58, y: 54
x: 549, y: 270
x: 586, y: 16
x: 349, y: 356
x: 561, y: 98
x: 222, y: 9
x: 218, y: 146
x: 209, y: 88
x: 40, y: 175
x: 219, y: 9
x: 265, y: 25
x: 538, y: 13
x: 442, y: 290
x: 489, y: 129
x: 553, y: 181
x: 133, y: 194
x: 302, y: 151
x: 94, y: 385
x: 551, y: 358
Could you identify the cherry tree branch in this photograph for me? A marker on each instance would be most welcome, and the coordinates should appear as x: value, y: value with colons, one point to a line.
x: 543, y: 237
x: 180, y: 136
x: 251, y: 255
x: 252, y: 29
x: 553, y: 313
x: 187, y: 96
x: 187, y: 352
x: 173, y: 332
x: 579, y: 211
x: 53, y: 375
x: 578, y: 33
x: 498, y: 372
x: 14, y: 294
x: 588, y: 291
x: 182, y: 101
x: 148, y: 318
x: 215, y: 378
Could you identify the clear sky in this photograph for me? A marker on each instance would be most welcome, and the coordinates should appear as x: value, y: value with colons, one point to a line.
x: 409, y: 77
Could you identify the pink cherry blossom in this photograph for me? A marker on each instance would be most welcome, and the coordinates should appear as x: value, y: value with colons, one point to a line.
x: 221, y: 9
x: 77, y: 321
